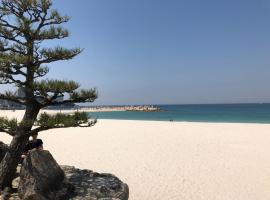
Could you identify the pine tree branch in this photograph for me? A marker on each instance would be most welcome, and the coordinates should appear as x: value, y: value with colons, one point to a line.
x: 41, y: 71
x: 10, y: 96
x: 48, y: 55
x: 9, y: 79
x: 49, y: 91
x: 8, y: 126
x: 10, y: 49
x: 52, y: 33
x: 2, y: 82
x: 81, y: 96
x: 17, y: 71
x: 55, y: 86
x: 40, y: 129
x: 46, y: 121
x: 76, y: 100
x: 42, y: 19
x: 14, y: 59
x: 15, y: 49
x: 5, y: 23
x: 11, y: 133
x: 7, y: 76
x: 11, y: 38
x: 55, y: 19
x: 45, y: 128
x: 9, y: 7
x: 10, y: 34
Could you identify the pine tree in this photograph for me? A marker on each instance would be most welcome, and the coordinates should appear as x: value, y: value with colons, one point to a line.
x: 24, y: 26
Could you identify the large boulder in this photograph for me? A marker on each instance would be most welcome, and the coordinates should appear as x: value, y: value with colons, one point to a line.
x: 94, y: 186
x: 41, y: 178
x: 3, y: 150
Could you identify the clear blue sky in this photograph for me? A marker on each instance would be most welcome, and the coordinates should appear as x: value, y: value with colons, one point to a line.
x: 169, y: 51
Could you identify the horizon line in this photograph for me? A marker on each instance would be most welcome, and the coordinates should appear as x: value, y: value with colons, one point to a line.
x: 173, y: 104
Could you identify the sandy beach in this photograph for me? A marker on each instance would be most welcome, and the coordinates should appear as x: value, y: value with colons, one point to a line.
x: 170, y: 160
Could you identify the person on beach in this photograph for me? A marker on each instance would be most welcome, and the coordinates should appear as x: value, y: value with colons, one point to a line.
x: 35, y: 143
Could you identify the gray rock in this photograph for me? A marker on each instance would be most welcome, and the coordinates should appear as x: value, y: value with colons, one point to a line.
x: 41, y: 178
x: 94, y: 186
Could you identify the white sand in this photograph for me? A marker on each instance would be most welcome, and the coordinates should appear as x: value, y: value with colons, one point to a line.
x: 171, y: 160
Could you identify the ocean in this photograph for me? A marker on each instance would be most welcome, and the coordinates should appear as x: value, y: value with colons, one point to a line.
x: 233, y: 113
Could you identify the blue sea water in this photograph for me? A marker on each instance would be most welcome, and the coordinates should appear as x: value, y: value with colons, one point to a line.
x: 235, y: 113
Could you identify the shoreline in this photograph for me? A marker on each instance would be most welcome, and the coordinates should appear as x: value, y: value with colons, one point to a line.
x: 19, y: 113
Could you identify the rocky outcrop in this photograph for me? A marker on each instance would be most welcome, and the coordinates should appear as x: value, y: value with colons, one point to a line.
x: 3, y: 150
x: 41, y: 178
x: 94, y: 186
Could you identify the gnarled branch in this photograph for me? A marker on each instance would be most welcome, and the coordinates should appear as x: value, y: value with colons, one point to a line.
x: 60, y: 120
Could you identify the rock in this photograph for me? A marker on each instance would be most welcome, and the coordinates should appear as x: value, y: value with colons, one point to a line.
x: 95, y: 186
x: 41, y: 178
x: 3, y: 150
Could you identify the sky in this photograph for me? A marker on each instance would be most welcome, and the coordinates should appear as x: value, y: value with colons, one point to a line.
x: 169, y: 51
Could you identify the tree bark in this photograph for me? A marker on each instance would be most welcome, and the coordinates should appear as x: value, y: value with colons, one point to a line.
x: 13, y: 156
x: 11, y: 160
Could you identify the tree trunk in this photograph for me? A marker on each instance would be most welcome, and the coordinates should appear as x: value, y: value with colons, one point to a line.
x: 13, y: 156
x: 11, y: 160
